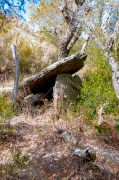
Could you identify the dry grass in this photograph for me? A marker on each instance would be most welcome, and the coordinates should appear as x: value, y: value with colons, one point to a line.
x: 50, y: 157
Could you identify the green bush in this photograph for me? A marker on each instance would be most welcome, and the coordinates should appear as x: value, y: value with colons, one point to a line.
x: 20, y: 160
x: 5, y: 108
x: 97, y: 88
x: 49, y: 37
x: 117, y: 125
x: 5, y: 114
x: 26, y: 58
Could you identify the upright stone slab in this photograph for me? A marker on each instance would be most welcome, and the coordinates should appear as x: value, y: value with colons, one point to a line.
x: 67, y: 88
x: 66, y: 91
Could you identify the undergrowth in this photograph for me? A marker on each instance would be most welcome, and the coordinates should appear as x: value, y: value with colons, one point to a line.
x: 13, y: 169
x: 5, y: 108
x: 6, y: 113
x: 97, y: 89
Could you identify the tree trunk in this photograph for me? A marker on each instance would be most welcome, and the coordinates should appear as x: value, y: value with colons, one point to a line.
x: 72, y: 33
x: 64, y: 42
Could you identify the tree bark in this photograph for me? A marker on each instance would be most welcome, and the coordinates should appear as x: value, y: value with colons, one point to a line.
x: 85, y: 44
x: 72, y: 33
x: 64, y: 42
x: 111, y: 61
x: 16, y: 81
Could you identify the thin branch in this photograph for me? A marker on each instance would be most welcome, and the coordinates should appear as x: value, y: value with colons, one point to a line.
x: 79, y: 2
x: 64, y: 10
x: 105, y: 25
x: 75, y: 37
x: 100, y: 118
x: 113, y: 37
x: 85, y: 44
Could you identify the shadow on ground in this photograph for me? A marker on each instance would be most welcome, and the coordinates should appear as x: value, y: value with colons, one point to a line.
x: 51, y: 159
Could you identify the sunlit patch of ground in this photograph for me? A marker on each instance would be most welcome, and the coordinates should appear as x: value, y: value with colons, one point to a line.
x: 50, y: 157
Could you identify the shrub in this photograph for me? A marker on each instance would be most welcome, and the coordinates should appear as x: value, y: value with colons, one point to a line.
x: 97, y: 88
x: 5, y: 108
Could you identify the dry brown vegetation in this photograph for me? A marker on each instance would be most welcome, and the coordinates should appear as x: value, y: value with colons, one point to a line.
x: 50, y: 157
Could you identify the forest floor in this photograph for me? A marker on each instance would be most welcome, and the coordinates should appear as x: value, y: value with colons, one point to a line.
x: 50, y: 158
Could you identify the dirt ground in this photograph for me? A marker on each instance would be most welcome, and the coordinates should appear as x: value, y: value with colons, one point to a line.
x: 50, y: 157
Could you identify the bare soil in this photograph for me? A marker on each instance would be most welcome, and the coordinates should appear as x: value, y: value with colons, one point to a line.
x: 50, y: 156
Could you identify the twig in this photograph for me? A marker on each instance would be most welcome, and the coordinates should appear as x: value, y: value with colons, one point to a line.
x: 100, y: 118
x: 85, y: 44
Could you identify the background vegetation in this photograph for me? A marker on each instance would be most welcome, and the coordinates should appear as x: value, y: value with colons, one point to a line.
x: 97, y: 89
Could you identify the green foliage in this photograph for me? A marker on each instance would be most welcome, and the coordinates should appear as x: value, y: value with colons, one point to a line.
x: 97, y: 88
x: 49, y: 37
x: 19, y: 162
x: 6, y: 67
x: 77, y: 46
x: 2, y: 20
x: 112, y: 106
x: 116, y: 49
x: 46, y: 14
x: 5, y: 108
x: 5, y: 114
x: 117, y: 125
x: 26, y: 56
x: 9, y: 170
x: 102, y: 128
x: 24, y: 65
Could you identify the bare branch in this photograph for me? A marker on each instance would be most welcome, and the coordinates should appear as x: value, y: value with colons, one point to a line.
x: 79, y: 2
x: 74, y: 27
x: 100, y: 111
x: 64, y: 10
x: 113, y: 37
x: 105, y: 25
x: 85, y: 44
x: 75, y: 37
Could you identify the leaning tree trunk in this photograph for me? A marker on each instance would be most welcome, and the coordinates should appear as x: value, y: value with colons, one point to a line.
x: 64, y: 42
x: 112, y: 62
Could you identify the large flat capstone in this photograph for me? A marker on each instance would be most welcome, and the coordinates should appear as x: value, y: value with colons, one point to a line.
x: 45, y: 79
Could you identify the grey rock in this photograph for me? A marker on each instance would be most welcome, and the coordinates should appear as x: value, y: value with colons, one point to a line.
x: 65, y: 92
x: 34, y: 98
x: 67, y: 88
x: 68, y: 137
x: 86, y: 154
x: 45, y: 79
